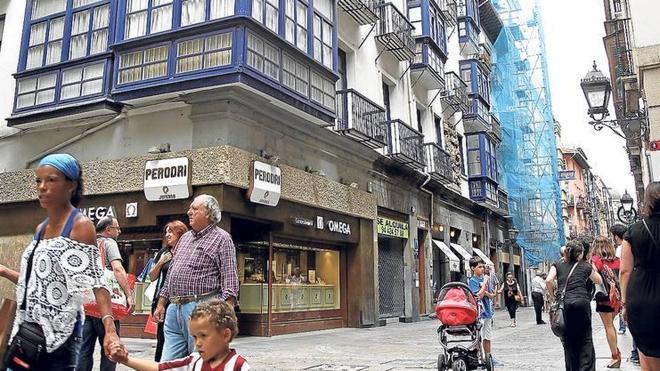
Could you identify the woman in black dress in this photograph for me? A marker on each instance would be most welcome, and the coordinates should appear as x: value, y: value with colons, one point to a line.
x: 579, y: 354
x: 640, y: 279
x: 512, y: 294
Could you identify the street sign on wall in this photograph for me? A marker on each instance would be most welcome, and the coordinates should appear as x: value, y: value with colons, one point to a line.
x: 567, y: 175
x: 167, y: 179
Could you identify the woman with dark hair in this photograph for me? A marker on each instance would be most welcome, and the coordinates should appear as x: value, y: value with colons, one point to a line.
x: 173, y: 231
x: 573, y: 273
x: 603, y: 258
x: 512, y: 294
x: 640, y: 279
x: 61, y: 263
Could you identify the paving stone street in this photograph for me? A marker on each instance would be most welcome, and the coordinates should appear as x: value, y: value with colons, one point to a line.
x: 407, y: 346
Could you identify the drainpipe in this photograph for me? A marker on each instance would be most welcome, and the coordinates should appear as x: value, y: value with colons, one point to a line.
x: 76, y: 138
x: 421, y: 188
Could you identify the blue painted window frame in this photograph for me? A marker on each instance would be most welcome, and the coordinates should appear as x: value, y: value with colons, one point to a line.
x: 476, y: 77
x: 486, y: 153
x: 91, y: 8
x: 58, y: 84
x: 468, y: 9
x: 295, y: 19
x: 103, y: 78
x: 143, y: 50
x: 264, y: 13
x: 323, y: 39
x: 430, y: 24
x: 205, y: 52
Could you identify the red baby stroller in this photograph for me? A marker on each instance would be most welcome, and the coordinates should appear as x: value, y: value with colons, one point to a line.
x: 459, y: 333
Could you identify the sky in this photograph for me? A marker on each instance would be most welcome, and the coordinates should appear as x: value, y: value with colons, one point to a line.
x: 574, y: 39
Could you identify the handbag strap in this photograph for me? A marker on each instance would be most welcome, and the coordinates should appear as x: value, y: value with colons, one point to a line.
x: 66, y: 231
x: 563, y: 292
x: 646, y: 226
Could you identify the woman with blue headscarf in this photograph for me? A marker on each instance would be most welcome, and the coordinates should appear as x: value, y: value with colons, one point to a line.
x: 60, y: 264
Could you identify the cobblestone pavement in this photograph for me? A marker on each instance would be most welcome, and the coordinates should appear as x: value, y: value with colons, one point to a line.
x: 407, y: 346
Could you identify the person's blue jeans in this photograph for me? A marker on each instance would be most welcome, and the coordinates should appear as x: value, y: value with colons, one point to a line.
x: 622, y: 323
x: 92, y: 329
x: 178, y: 341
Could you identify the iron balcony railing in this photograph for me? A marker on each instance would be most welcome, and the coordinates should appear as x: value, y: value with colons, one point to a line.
x: 455, y: 93
x: 363, y: 11
x: 405, y: 144
x: 395, y: 32
x: 361, y: 119
x: 438, y: 163
x: 449, y: 11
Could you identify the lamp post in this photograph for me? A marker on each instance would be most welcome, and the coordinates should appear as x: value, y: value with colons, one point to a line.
x: 627, y: 214
x: 597, y: 90
x: 513, y: 235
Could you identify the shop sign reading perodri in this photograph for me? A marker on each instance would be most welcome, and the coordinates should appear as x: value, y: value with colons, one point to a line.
x: 265, y: 184
x: 393, y: 228
x: 167, y: 179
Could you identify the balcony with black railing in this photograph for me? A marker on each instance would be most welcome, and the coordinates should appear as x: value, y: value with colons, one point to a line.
x: 405, y: 144
x: 362, y: 11
x: 428, y: 68
x: 438, y: 163
x: 503, y: 200
x: 395, y: 32
x: 361, y: 119
x: 449, y: 11
x: 455, y: 93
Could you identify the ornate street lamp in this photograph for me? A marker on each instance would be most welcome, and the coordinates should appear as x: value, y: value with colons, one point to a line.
x: 597, y: 90
x: 627, y: 213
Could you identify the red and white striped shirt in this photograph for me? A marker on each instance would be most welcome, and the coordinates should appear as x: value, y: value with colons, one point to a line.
x: 233, y: 362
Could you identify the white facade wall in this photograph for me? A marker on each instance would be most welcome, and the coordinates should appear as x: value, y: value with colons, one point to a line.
x: 14, y: 11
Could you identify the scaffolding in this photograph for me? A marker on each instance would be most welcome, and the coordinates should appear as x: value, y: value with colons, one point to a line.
x: 528, y: 153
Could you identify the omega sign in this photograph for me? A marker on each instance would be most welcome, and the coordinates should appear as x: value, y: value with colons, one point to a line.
x: 167, y: 179
x: 265, y: 184
x: 339, y: 227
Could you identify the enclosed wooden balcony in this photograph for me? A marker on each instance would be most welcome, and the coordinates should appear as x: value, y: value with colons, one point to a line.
x: 455, y: 93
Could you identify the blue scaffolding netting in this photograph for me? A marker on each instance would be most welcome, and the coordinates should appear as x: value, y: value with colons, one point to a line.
x: 528, y: 153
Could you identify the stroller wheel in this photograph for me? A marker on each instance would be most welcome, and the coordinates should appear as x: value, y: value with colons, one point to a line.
x: 442, y: 362
x: 489, y: 363
x: 459, y: 365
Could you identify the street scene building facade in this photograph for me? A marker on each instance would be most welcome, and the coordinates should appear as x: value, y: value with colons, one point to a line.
x: 351, y: 144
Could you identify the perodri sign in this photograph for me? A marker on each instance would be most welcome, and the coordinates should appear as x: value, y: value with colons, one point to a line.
x: 265, y: 184
x: 167, y: 179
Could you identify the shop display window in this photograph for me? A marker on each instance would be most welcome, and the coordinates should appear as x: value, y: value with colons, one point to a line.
x: 303, y: 278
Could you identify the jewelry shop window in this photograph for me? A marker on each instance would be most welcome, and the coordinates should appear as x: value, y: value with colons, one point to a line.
x: 304, y: 278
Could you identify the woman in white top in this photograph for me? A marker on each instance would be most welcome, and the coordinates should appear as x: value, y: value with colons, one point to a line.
x: 65, y: 265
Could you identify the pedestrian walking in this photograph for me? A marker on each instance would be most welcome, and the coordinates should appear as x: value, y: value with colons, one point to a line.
x: 483, y: 289
x: 204, y: 268
x: 58, y: 266
x: 607, y: 264
x: 579, y: 354
x: 640, y: 279
x: 617, y: 231
x: 214, y: 325
x: 107, y: 230
x: 512, y: 296
x: 538, y: 296
x: 173, y: 232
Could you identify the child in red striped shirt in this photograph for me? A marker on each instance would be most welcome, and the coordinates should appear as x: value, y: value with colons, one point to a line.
x: 213, y: 325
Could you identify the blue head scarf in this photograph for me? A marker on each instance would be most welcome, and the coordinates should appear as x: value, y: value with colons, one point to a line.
x: 65, y: 163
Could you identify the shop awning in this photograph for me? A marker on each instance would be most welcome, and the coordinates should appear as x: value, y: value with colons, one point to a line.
x: 461, y: 251
x: 483, y: 257
x: 454, y: 262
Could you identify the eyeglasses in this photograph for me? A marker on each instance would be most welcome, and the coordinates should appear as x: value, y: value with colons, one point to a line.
x: 117, y: 228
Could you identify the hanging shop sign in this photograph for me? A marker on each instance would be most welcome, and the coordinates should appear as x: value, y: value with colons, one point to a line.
x: 265, y: 184
x: 392, y: 228
x: 98, y: 212
x: 567, y: 175
x: 422, y: 224
x: 167, y: 179
x: 132, y: 210
x: 339, y: 227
